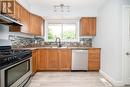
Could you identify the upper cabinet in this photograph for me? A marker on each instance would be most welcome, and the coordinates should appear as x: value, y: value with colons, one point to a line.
x: 36, y: 25
x: 17, y: 11
x: 32, y: 24
x: 17, y: 17
x: 88, y: 26
x: 25, y: 15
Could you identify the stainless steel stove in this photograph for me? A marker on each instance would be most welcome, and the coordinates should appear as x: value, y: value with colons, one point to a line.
x: 9, y: 56
x: 15, y: 67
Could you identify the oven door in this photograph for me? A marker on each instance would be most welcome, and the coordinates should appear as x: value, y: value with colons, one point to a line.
x: 15, y: 75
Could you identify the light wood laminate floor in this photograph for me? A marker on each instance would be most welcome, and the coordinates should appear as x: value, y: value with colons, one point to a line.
x: 68, y: 79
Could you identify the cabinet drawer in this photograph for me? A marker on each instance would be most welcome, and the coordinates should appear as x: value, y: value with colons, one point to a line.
x: 94, y: 59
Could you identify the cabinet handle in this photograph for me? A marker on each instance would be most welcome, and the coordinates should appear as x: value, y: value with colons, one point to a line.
x: 127, y: 53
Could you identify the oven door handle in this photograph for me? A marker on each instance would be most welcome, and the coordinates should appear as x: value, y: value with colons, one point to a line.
x: 27, y: 81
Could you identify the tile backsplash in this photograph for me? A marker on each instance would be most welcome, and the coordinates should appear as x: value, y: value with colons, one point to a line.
x: 18, y: 42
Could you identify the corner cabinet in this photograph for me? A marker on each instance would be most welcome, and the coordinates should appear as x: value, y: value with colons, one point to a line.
x: 94, y: 59
x: 88, y: 26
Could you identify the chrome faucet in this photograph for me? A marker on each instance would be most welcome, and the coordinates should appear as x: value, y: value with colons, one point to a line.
x: 58, y: 42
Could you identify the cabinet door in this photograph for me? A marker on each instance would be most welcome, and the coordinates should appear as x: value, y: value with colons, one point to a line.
x: 84, y: 27
x: 17, y: 11
x: 42, y: 59
x: 32, y: 23
x: 65, y: 59
x: 17, y: 17
x: 34, y: 64
x: 92, y: 26
x: 36, y: 25
x: 94, y: 59
x: 43, y: 26
x: 16, y: 14
x: 53, y: 60
x: 88, y: 26
x: 24, y: 14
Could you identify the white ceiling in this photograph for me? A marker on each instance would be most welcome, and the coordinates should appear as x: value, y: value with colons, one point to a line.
x: 78, y: 8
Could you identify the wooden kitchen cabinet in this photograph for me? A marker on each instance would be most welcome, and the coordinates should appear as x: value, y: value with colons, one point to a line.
x: 94, y: 59
x: 25, y: 20
x: 42, y: 59
x: 17, y: 11
x: 34, y: 61
x: 88, y: 26
x: 60, y: 59
x: 41, y: 26
x: 65, y: 59
x: 32, y: 24
x: 53, y: 59
x: 16, y: 16
x: 36, y: 24
x: 21, y: 15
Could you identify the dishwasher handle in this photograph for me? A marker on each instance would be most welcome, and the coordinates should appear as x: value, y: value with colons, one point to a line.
x: 79, y: 51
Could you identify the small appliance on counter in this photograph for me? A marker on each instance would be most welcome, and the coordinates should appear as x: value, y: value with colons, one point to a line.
x: 15, y: 67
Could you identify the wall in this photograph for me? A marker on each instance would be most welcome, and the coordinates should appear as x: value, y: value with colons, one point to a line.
x: 21, y: 34
x: 4, y: 35
x: 45, y: 7
x: 4, y: 31
x: 109, y: 34
x: 24, y: 3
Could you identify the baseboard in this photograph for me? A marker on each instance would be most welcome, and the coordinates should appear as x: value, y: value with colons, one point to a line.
x: 111, y: 80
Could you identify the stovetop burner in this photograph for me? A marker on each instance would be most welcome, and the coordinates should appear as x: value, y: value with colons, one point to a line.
x: 9, y: 56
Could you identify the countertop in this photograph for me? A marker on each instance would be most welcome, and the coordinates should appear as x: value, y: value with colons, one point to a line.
x: 72, y: 48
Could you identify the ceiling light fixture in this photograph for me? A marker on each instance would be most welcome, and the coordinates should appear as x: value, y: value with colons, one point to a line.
x: 61, y: 8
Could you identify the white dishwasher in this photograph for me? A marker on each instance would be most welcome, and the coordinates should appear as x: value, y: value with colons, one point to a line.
x: 79, y: 59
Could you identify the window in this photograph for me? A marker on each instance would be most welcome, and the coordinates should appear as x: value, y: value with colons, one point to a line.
x: 65, y: 31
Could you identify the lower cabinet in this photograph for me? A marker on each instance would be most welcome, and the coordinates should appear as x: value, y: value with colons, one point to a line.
x: 42, y: 59
x: 54, y: 59
x: 60, y: 59
x: 65, y: 59
x: 94, y: 59
x: 34, y: 61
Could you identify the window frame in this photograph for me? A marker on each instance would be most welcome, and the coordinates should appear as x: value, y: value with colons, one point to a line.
x: 76, y: 22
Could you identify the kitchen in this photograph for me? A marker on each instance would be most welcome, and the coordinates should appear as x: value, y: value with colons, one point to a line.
x: 52, y: 44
